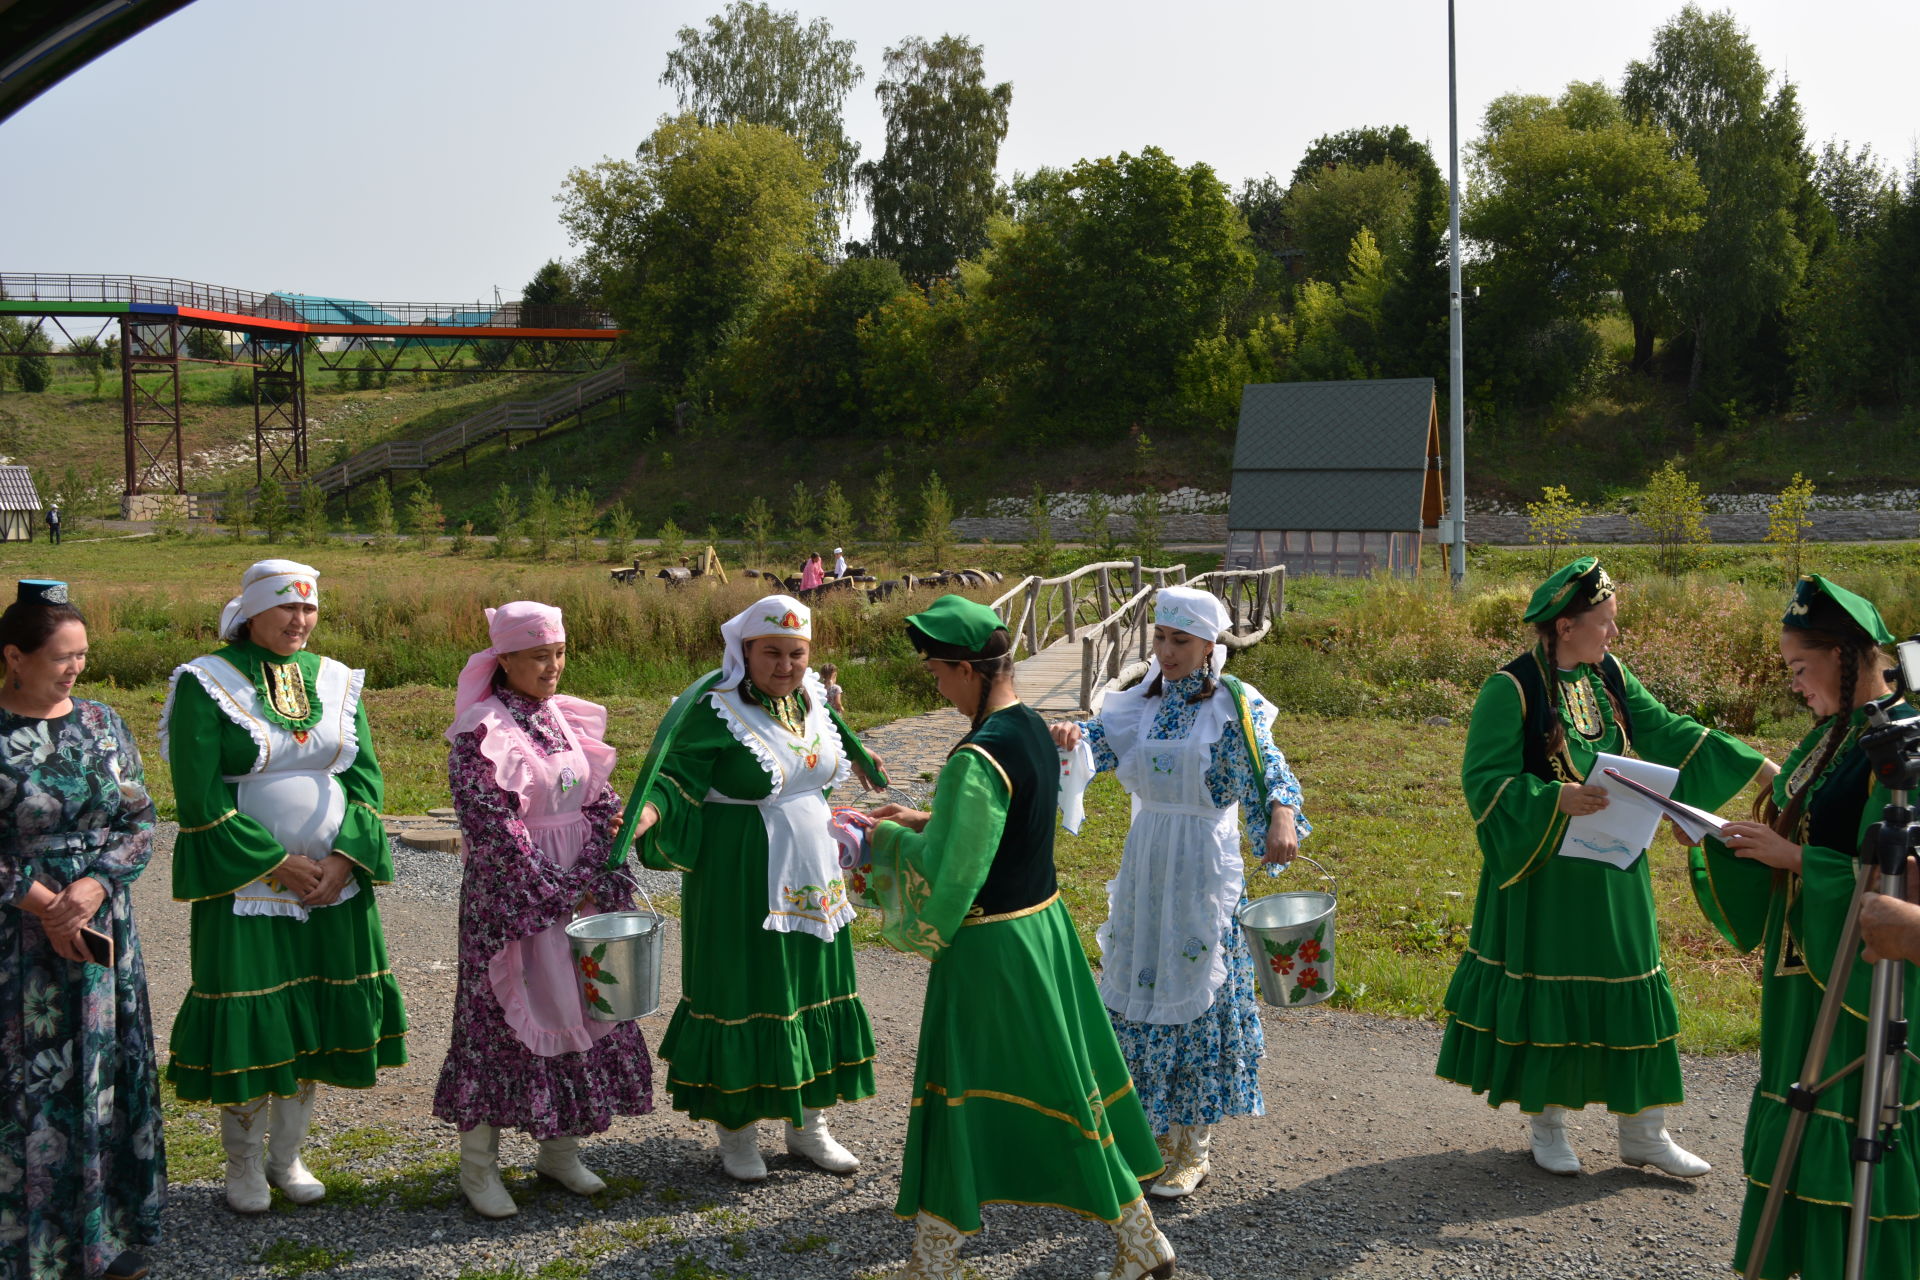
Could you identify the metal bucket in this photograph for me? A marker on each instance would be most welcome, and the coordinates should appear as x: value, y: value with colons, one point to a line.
x: 1291, y: 938
x: 617, y: 959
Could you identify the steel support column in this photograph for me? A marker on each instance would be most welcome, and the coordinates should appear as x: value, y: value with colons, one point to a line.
x: 150, y: 404
x: 279, y: 408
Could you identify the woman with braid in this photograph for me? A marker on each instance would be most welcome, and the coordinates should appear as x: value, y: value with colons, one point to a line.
x: 1784, y: 883
x: 1561, y: 999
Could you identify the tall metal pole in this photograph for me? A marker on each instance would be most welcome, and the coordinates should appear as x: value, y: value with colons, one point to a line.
x: 1456, y: 387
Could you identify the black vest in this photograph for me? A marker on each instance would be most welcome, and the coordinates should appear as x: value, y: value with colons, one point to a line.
x: 1831, y: 818
x: 1017, y: 741
x: 1529, y: 670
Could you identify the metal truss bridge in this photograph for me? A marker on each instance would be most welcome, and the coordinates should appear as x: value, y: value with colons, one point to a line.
x: 279, y: 333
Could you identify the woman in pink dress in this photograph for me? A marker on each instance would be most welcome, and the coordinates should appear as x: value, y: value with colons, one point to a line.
x: 811, y: 574
x: 530, y: 771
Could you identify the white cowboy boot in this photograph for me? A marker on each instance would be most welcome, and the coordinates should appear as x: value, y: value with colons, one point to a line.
x: 811, y: 1139
x: 243, y: 1134
x: 1187, y: 1166
x: 480, y: 1173
x: 936, y: 1251
x: 287, y: 1125
x: 559, y: 1159
x: 1644, y: 1140
x: 1139, y: 1248
x: 1551, y: 1150
x: 740, y: 1153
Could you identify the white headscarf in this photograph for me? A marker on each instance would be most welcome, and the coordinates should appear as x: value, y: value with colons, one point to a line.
x: 1188, y: 609
x: 267, y: 583
x: 769, y: 616
x: 1198, y: 613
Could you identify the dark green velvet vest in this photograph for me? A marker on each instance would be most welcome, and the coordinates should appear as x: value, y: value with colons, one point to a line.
x: 1017, y: 741
x: 1530, y: 671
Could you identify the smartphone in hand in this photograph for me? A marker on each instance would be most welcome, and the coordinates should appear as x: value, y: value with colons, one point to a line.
x: 99, y: 947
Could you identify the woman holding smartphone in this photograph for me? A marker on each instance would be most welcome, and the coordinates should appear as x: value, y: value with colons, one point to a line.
x: 82, y: 1174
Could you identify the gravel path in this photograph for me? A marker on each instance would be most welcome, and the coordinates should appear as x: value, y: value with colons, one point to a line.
x: 1365, y: 1165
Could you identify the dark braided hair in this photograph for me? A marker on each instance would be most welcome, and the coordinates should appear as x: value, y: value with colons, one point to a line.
x: 1549, y: 633
x: 990, y: 670
x: 1851, y: 646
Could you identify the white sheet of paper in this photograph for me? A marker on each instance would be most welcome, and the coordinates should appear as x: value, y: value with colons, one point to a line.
x: 1621, y: 832
x: 1695, y: 824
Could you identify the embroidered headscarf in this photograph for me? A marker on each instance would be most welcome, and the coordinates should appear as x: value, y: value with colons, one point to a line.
x: 268, y: 583
x: 770, y: 616
x: 520, y: 624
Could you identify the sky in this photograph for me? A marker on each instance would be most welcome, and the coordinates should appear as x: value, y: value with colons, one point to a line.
x: 409, y: 150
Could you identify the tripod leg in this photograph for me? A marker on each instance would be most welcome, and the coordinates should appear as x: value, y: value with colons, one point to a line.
x: 1810, y: 1070
x: 1879, y: 1089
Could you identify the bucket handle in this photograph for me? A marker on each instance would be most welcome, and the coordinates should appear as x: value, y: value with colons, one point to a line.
x: 1324, y: 873
x: 624, y: 870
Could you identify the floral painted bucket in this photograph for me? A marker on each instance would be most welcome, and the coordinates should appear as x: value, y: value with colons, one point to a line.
x: 616, y: 958
x: 1291, y: 938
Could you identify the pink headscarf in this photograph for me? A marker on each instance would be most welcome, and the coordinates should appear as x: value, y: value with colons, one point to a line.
x: 520, y: 624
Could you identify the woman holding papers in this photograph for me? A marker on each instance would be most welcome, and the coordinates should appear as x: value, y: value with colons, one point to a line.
x: 1784, y: 883
x: 1561, y: 999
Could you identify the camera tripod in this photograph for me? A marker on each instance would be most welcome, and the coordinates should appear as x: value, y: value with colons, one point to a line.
x: 1893, y: 748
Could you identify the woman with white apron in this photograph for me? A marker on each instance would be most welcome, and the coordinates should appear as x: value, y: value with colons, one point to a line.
x: 529, y: 771
x: 1194, y: 749
x: 770, y: 1025
x: 278, y: 795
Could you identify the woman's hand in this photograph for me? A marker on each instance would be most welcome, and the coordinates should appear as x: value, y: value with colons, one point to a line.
x: 1679, y: 836
x: 335, y: 870
x: 298, y: 876
x: 1066, y: 734
x: 866, y: 779
x: 649, y: 814
x: 1580, y: 800
x: 1283, y: 838
x: 74, y: 906
x: 1762, y: 843
x: 66, y: 940
x: 912, y: 819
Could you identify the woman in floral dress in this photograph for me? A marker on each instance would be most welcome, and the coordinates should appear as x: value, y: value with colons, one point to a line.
x: 529, y: 770
x: 1195, y: 749
x: 82, y: 1174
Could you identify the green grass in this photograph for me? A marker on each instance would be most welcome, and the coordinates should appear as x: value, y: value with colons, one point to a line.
x: 285, y: 1257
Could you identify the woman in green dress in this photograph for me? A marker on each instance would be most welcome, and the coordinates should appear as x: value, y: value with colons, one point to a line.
x: 1784, y: 883
x: 1561, y: 999
x: 280, y: 846
x: 770, y: 1024
x: 1020, y: 1092
x: 83, y: 1176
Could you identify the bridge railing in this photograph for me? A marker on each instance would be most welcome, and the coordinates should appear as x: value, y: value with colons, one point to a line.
x: 1115, y: 650
x: 1254, y: 598
x: 296, y: 308
x: 1051, y: 609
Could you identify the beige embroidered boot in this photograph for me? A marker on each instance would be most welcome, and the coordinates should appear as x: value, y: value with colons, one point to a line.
x: 811, y: 1140
x: 1548, y: 1138
x: 288, y: 1122
x: 559, y: 1159
x: 243, y: 1134
x: 740, y: 1153
x: 1644, y: 1140
x: 1139, y: 1248
x: 1188, y: 1166
x: 480, y: 1173
x: 936, y: 1251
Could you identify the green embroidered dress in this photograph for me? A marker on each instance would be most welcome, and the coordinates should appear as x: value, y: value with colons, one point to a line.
x: 1797, y: 920
x: 1561, y: 998
x: 1020, y: 1092
x: 281, y: 995
x: 769, y: 1021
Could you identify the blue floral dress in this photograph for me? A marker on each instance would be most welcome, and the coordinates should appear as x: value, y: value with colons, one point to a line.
x: 1203, y: 1071
x: 82, y: 1172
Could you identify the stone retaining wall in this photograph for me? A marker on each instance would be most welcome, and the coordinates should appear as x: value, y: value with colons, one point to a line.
x: 1828, y: 526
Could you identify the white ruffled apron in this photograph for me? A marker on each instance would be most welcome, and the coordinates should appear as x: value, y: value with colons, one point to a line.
x: 292, y: 789
x: 1180, y: 877
x: 533, y: 977
x: 806, y: 889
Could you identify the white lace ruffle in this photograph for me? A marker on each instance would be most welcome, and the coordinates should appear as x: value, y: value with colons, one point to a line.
x: 254, y: 728
x: 350, y: 714
x: 817, y: 702
x: 745, y: 736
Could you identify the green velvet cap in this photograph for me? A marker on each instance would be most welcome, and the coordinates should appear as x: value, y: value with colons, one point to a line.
x: 954, y: 628
x: 1584, y: 579
x: 1825, y: 606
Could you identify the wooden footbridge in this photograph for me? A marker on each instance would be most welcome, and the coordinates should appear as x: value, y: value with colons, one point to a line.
x: 1078, y: 635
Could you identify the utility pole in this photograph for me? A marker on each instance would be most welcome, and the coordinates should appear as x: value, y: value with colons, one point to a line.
x: 1456, y: 387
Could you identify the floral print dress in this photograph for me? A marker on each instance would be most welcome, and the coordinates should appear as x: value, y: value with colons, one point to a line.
x: 510, y: 891
x: 1203, y: 1071
x: 83, y: 1175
